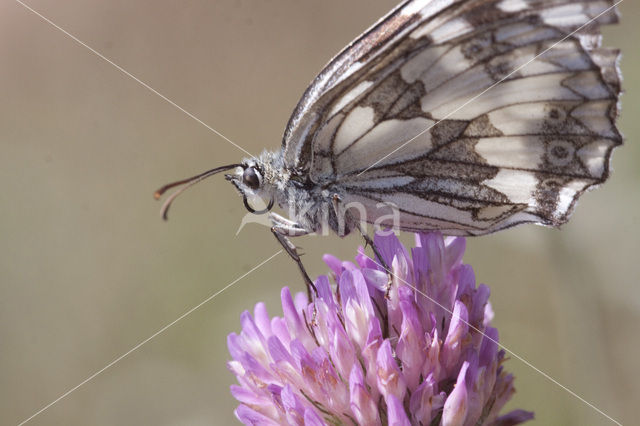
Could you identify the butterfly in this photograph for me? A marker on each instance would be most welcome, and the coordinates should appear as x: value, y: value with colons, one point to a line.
x: 462, y: 116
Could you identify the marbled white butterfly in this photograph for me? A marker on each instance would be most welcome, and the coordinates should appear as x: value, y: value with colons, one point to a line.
x: 464, y: 116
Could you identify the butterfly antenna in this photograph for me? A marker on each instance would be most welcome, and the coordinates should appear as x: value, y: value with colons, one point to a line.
x: 188, y: 183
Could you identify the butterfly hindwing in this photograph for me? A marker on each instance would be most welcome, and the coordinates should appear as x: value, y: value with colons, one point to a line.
x: 470, y: 116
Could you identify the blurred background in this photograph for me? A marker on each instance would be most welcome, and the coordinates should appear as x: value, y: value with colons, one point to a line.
x: 88, y: 270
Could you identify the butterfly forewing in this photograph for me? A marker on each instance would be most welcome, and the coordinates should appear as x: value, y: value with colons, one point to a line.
x: 470, y: 116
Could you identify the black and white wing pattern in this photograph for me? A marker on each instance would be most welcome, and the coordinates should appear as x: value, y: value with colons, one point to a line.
x: 524, y: 151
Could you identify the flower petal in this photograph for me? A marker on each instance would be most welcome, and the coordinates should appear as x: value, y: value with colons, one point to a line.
x: 410, y: 346
x: 333, y: 263
x: 454, y: 251
x: 455, y: 407
x: 515, y: 417
x: 294, y: 408
x: 395, y: 411
x: 245, y: 395
x: 262, y: 319
x: 311, y: 418
x: 421, y: 402
x: 390, y: 378
x: 363, y: 407
x: 324, y: 291
x: 456, y: 337
x: 389, y: 246
x: 251, y: 417
x: 294, y: 321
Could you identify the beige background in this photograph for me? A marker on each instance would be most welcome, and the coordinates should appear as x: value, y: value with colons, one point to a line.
x: 88, y: 270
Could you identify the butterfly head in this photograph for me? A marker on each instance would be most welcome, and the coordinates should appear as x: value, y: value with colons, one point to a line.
x: 252, y: 182
x: 256, y: 179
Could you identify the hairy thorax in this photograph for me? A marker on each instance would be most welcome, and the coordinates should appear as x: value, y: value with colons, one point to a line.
x: 303, y: 201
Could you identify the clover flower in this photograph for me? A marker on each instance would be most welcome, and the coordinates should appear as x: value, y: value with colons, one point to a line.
x: 413, y: 347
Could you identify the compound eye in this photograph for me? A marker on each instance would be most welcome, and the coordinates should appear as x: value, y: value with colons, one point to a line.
x: 251, y: 178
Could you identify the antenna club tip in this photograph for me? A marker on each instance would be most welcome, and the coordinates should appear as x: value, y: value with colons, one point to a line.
x: 157, y: 195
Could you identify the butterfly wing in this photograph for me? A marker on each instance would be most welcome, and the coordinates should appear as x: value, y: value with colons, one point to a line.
x: 469, y: 116
x: 341, y: 75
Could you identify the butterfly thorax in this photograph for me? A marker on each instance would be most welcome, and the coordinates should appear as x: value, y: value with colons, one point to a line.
x: 306, y: 203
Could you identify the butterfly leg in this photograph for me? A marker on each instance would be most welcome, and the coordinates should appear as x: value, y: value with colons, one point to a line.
x: 282, y: 229
x: 368, y: 241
